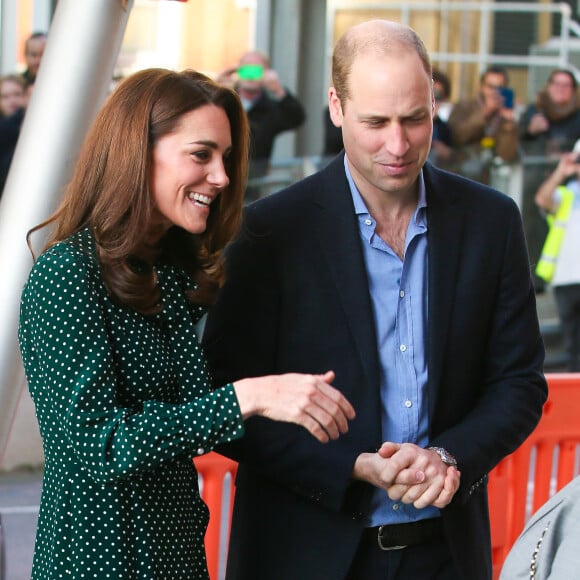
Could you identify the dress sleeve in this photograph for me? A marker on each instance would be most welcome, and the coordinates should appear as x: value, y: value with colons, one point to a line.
x: 70, y: 369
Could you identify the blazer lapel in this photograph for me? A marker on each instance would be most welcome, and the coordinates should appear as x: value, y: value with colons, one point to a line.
x: 446, y: 225
x: 336, y: 223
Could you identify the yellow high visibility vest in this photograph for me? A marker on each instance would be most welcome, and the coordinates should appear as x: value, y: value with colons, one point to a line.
x: 547, y: 263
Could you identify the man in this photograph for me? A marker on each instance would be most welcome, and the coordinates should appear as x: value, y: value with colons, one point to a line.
x: 271, y: 108
x: 559, y: 262
x: 413, y: 285
x: 487, y: 115
x: 33, y: 52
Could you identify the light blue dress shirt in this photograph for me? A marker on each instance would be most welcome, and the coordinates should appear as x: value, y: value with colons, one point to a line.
x: 398, y: 292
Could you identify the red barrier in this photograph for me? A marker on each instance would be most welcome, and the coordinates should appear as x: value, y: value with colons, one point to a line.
x: 217, y: 490
x: 541, y: 466
x: 518, y: 486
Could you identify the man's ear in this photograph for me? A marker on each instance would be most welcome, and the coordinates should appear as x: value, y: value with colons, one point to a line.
x: 334, y: 107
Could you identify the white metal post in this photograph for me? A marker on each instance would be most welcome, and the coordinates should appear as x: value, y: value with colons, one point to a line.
x: 8, y: 27
x: 73, y: 81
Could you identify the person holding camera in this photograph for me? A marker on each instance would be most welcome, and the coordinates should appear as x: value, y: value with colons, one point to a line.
x: 489, y: 116
x: 271, y: 108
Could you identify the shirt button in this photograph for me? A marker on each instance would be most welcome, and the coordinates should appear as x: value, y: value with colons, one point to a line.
x: 403, y: 348
x: 402, y: 293
x: 368, y: 222
x: 200, y: 451
x: 408, y: 404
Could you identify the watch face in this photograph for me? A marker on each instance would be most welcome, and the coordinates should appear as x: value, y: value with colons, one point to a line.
x: 446, y: 457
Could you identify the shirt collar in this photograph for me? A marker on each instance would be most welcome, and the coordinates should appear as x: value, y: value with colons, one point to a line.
x: 360, y: 208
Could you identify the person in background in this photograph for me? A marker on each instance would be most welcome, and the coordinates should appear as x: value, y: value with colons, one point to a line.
x: 12, y: 94
x: 442, y: 142
x: 442, y: 91
x: 486, y: 116
x: 559, y: 263
x: 551, y: 124
x: 9, y: 133
x: 108, y: 335
x: 332, y: 136
x: 549, y: 127
x: 33, y: 51
x: 271, y: 108
x: 547, y: 549
x: 413, y: 285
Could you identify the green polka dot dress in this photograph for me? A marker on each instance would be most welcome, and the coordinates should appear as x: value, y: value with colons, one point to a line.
x: 123, y: 403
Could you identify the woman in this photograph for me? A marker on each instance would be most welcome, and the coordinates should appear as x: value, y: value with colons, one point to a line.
x: 108, y: 339
x: 13, y: 100
x: 12, y: 94
x: 551, y: 124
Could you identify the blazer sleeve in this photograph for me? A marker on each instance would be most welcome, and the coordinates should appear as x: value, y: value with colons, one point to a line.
x: 492, y: 387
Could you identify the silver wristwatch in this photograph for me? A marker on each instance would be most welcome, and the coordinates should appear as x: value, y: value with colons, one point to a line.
x: 446, y: 457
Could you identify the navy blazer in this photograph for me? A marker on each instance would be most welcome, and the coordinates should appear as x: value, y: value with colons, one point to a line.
x: 297, y: 299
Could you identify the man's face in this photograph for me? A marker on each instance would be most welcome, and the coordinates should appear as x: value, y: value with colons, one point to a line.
x: 491, y: 83
x: 34, y: 52
x: 387, y: 123
x: 250, y: 89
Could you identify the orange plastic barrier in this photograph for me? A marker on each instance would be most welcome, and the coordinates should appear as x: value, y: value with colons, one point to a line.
x: 518, y: 486
x: 217, y: 490
x: 541, y: 466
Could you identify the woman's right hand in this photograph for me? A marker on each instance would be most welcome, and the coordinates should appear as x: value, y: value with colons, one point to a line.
x: 307, y: 400
x: 538, y: 124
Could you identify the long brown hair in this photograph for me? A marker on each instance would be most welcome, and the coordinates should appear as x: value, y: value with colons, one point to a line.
x: 110, y: 188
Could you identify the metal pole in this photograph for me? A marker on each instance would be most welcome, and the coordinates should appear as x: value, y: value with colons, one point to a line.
x: 8, y: 27
x: 72, y: 83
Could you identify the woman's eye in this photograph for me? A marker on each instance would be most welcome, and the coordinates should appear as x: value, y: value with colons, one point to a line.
x: 201, y: 155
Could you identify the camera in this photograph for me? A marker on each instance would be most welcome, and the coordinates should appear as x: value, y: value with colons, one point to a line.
x: 251, y: 72
x: 508, y: 97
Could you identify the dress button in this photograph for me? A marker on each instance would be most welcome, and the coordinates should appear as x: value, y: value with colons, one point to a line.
x: 200, y: 451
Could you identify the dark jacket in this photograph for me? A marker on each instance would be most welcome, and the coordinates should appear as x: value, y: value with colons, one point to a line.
x: 9, y: 132
x: 297, y: 299
x: 563, y: 130
x: 268, y: 118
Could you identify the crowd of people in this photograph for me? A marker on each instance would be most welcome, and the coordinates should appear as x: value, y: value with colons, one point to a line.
x: 372, y: 346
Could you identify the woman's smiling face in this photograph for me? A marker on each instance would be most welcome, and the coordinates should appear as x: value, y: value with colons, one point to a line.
x: 188, y: 170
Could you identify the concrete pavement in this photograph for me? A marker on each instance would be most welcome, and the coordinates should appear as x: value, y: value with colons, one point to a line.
x: 19, y: 501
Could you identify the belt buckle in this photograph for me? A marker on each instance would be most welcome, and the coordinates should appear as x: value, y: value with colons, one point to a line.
x: 386, y: 548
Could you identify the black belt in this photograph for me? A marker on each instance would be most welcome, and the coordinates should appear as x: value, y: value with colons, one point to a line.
x: 397, y: 536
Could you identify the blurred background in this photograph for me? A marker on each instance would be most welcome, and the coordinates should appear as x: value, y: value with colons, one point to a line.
x: 527, y: 39
x: 464, y: 38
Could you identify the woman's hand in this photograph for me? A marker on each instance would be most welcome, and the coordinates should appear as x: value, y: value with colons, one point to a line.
x: 307, y: 400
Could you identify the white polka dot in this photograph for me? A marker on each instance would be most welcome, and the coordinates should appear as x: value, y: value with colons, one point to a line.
x: 123, y: 403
